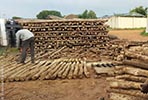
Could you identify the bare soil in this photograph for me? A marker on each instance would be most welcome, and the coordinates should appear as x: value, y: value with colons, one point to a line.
x: 75, y: 89
x: 132, y: 35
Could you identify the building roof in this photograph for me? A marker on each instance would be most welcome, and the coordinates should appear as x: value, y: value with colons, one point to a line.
x: 134, y: 14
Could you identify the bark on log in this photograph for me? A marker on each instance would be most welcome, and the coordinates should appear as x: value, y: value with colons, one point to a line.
x: 119, y: 96
x: 132, y: 78
x: 136, y: 63
x: 122, y: 84
x: 51, y: 67
x: 135, y: 93
x: 137, y: 56
x: 29, y: 75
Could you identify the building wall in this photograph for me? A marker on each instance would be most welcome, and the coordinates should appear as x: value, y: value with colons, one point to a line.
x: 127, y: 22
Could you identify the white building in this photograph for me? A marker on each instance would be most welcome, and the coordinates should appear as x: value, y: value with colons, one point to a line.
x: 127, y: 21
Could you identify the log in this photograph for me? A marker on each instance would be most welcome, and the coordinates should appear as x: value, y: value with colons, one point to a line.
x: 55, y: 75
x: 42, y: 69
x: 135, y: 93
x: 132, y: 78
x: 15, y: 70
x: 49, y: 75
x: 119, y: 96
x: 18, y: 72
x: 70, y: 75
x: 137, y: 56
x: 51, y: 67
x: 31, y: 67
x: 86, y: 72
x: 135, y: 71
x: 81, y: 69
x: 136, y: 63
x: 76, y: 70
x: 32, y: 72
x: 64, y: 75
x: 63, y: 70
x: 122, y: 84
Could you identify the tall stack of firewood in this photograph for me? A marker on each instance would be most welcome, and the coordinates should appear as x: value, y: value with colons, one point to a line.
x: 51, y: 34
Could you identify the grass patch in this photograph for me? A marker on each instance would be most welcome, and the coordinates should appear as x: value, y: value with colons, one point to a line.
x: 144, y: 33
x: 142, y: 28
x: 2, y: 50
x: 6, y: 50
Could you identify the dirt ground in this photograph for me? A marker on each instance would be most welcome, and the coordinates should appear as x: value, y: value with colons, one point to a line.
x: 133, y: 35
x: 75, y: 89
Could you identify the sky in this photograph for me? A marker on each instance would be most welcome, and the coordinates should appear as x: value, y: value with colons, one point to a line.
x: 30, y: 8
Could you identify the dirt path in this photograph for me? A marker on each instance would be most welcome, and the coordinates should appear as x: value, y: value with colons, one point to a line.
x: 76, y: 89
x: 133, y: 35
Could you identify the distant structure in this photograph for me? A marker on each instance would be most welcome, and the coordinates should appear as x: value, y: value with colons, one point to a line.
x: 127, y: 20
x: 52, y: 17
x: 71, y: 16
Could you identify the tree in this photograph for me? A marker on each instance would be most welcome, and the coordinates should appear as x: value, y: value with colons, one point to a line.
x: 45, y: 13
x: 88, y: 15
x: 92, y: 15
x: 84, y: 14
x: 140, y: 10
x: 16, y: 17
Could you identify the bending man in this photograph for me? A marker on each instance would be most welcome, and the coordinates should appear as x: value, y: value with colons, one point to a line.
x: 27, y: 41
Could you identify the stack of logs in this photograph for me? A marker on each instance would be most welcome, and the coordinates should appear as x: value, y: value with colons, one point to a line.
x: 126, y: 78
x: 51, y: 34
x: 43, y: 69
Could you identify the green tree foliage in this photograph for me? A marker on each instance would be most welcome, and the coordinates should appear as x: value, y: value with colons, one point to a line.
x: 45, y: 13
x: 140, y: 10
x: 88, y: 15
x: 16, y: 17
x: 92, y: 15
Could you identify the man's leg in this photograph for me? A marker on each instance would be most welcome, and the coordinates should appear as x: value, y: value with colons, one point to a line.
x: 32, y: 49
x: 24, y: 48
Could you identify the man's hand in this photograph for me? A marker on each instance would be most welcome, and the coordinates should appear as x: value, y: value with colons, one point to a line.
x: 144, y: 88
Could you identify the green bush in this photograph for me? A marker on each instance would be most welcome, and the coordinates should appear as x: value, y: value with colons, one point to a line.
x: 144, y: 33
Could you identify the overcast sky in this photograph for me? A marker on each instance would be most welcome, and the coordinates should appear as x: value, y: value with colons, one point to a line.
x: 30, y: 8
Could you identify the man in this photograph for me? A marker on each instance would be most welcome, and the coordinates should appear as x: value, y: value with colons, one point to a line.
x: 27, y: 41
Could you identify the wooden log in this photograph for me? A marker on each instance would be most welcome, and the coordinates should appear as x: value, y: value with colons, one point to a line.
x: 42, y: 69
x: 135, y: 93
x: 137, y: 56
x: 49, y: 75
x: 29, y: 68
x: 51, y: 67
x: 81, y: 69
x: 15, y: 69
x: 55, y: 74
x: 119, y: 96
x: 136, y: 63
x: 122, y: 84
x: 14, y: 75
x: 29, y: 74
x: 71, y: 71
x: 64, y: 75
x: 135, y: 71
x: 63, y: 70
x: 76, y: 69
x: 105, y: 71
x: 132, y: 78
x: 86, y: 72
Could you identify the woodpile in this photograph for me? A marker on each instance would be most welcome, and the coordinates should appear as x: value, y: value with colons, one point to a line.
x: 70, y: 68
x: 126, y: 84
x: 51, y: 34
